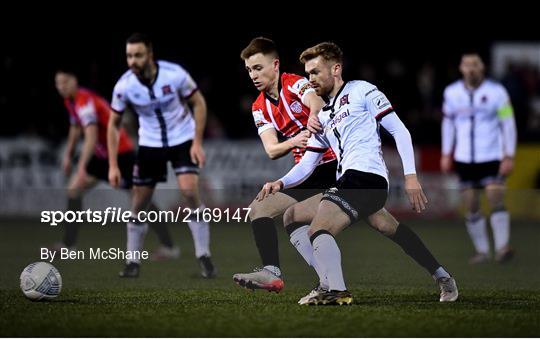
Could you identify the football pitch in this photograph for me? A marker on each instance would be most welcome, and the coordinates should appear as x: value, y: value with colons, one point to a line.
x: 392, y: 295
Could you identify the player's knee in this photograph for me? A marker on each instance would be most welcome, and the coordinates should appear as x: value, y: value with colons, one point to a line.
x: 191, y: 197
x: 288, y: 216
x: 387, y: 229
x: 257, y: 210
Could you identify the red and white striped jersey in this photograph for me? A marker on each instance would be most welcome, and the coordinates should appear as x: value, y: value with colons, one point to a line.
x: 88, y: 108
x: 287, y: 115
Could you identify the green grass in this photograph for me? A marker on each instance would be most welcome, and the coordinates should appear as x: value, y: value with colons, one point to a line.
x: 393, y: 296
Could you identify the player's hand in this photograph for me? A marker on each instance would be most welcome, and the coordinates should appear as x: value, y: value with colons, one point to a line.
x: 446, y: 164
x: 269, y: 188
x: 313, y: 124
x: 506, y: 166
x: 66, y: 165
x: 416, y: 195
x: 197, y: 154
x: 301, y: 139
x: 115, y: 177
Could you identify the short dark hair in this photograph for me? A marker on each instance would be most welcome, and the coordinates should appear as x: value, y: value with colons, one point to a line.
x: 329, y: 51
x: 260, y: 45
x: 66, y: 69
x: 137, y: 38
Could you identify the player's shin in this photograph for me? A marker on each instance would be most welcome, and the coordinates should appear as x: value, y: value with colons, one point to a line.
x: 265, y: 234
x: 200, y: 230
x: 328, y: 256
x: 136, y: 233
x: 298, y: 236
x: 416, y: 249
x: 500, y: 225
x: 476, y: 226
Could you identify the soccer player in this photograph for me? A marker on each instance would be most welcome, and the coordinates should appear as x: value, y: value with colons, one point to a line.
x: 89, y: 116
x: 161, y: 94
x: 479, y: 134
x: 285, y: 104
x: 350, y: 126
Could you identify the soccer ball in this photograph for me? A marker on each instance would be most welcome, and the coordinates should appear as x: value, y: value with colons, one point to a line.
x: 41, y: 281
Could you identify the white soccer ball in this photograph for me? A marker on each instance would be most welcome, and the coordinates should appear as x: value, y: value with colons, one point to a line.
x: 41, y: 281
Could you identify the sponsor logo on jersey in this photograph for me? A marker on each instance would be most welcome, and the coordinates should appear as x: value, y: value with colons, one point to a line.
x: 344, y: 100
x: 380, y: 101
x: 166, y: 89
x: 303, y: 89
x: 296, y: 107
x: 338, y: 118
x: 259, y: 118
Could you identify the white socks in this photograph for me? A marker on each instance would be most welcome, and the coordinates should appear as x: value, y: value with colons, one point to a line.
x: 476, y: 225
x: 300, y: 240
x: 500, y: 225
x: 328, y: 256
x: 274, y: 269
x: 440, y: 273
x: 135, y: 238
x: 200, y: 230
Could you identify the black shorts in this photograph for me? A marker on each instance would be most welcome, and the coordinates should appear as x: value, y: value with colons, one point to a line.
x: 478, y: 175
x: 322, y: 178
x: 99, y: 168
x: 151, y: 165
x: 359, y: 194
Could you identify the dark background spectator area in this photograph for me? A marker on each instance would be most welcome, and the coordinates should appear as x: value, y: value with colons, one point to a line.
x: 412, y: 65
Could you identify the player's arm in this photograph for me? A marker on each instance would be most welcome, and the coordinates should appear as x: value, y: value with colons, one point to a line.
x: 73, y: 137
x: 113, y: 135
x: 505, y: 113
x: 198, y: 103
x: 315, y: 104
x: 89, y: 144
x: 448, y: 134
x: 393, y: 124
x: 276, y: 149
x: 298, y: 174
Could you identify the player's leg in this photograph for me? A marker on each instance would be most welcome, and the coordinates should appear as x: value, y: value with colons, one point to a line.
x: 262, y: 215
x: 500, y: 221
x: 469, y: 177
x: 75, y: 192
x: 476, y: 225
x: 167, y: 250
x: 187, y: 177
x: 150, y: 168
x: 137, y: 228
x: 329, y: 220
x: 413, y: 246
x: 297, y: 220
x: 188, y: 184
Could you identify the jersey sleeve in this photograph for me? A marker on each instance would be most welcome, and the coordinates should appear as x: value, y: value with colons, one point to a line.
x: 261, y: 122
x: 317, y: 143
x: 299, y: 86
x: 504, y: 105
x: 86, y: 112
x: 186, y: 85
x: 119, y: 98
x: 447, y: 105
x: 376, y: 101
